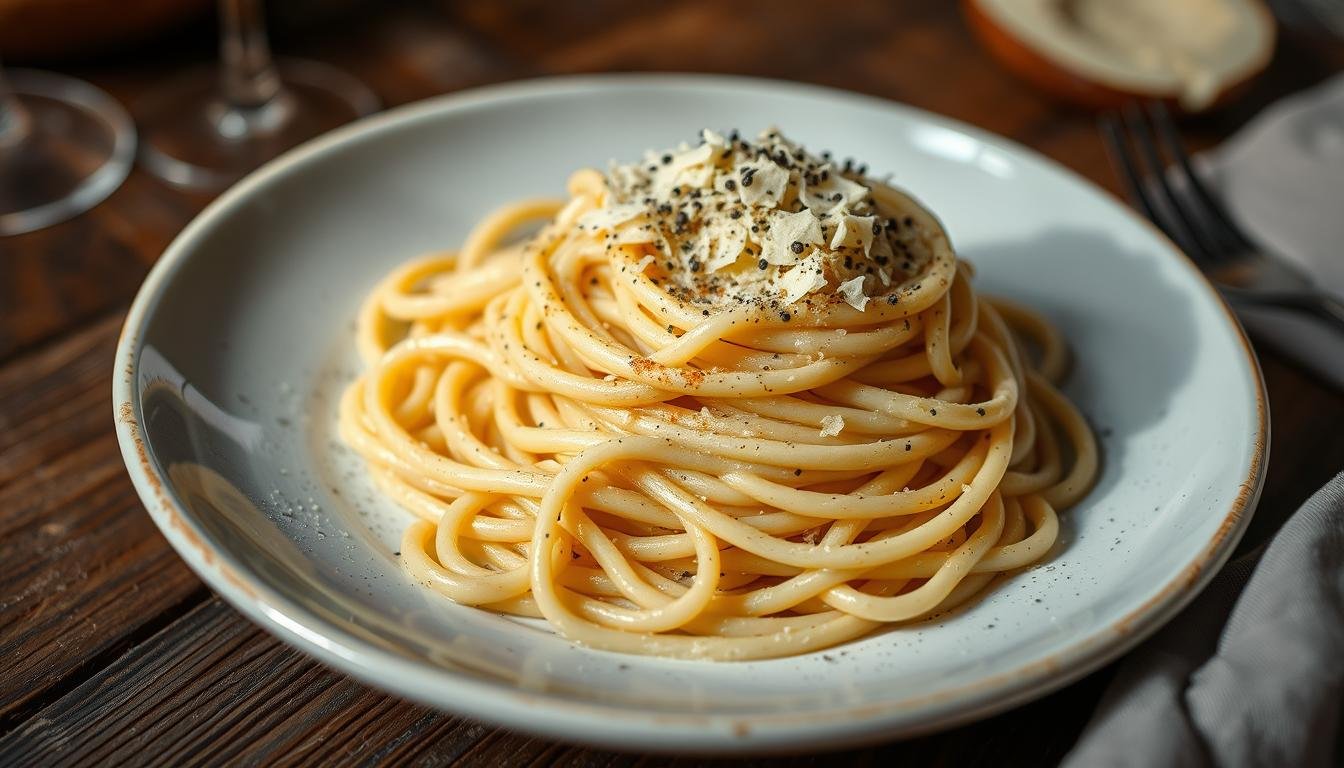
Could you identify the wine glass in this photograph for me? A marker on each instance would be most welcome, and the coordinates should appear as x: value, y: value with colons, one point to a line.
x: 64, y: 146
x: 208, y: 128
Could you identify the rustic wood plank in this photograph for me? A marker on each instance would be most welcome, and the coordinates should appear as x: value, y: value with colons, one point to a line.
x: 85, y: 571
x: 56, y: 278
x: 420, y: 50
x: 212, y: 688
x: 527, y: 28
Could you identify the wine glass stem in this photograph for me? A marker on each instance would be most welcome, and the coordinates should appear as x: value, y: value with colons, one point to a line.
x: 14, y: 121
x: 249, y: 78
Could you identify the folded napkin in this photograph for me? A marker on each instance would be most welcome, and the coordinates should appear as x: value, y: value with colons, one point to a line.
x: 1251, y: 674
x: 1282, y: 177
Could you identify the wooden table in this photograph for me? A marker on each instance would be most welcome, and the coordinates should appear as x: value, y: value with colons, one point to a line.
x: 111, y: 649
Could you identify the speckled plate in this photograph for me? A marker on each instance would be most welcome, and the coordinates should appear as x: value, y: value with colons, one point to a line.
x: 240, y: 339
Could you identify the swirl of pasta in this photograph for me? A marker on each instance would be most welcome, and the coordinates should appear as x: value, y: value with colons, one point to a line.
x: 580, y: 444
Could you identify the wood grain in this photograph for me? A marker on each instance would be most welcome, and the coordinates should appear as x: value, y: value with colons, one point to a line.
x: 112, y: 651
x: 58, y: 278
x: 211, y: 689
x: 216, y: 690
x: 85, y: 572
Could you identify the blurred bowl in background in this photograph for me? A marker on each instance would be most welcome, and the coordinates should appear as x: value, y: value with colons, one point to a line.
x: 1194, y: 54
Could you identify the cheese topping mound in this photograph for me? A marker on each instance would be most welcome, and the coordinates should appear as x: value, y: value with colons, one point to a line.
x: 730, y: 221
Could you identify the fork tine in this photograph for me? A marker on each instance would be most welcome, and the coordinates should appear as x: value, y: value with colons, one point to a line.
x: 1112, y: 132
x: 1134, y: 169
x: 1179, y: 215
x: 1225, y: 229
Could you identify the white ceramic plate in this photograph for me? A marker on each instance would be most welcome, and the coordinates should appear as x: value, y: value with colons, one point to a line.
x: 241, y: 336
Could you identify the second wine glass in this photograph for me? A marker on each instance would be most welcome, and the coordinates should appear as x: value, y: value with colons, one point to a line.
x: 209, y: 128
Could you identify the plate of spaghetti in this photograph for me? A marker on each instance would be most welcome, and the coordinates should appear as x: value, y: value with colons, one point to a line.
x: 689, y: 413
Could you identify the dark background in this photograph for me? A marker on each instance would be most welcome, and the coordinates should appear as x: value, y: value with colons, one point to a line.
x: 111, y: 649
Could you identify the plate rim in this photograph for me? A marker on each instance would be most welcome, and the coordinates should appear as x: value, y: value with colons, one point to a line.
x: 606, y: 725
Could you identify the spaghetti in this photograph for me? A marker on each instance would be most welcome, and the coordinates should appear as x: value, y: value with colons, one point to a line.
x: 733, y: 402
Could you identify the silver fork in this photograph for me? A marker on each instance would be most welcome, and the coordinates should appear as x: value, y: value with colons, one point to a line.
x: 1191, y: 215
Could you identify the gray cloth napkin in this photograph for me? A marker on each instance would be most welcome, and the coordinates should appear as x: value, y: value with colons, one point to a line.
x: 1251, y: 674
x: 1282, y: 176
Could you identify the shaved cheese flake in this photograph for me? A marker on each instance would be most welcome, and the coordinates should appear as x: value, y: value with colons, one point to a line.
x: 610, y: 217
x: 729, y: 240
x: 637, y: 235
x: 835, y: 192
x: 786, y: 229
x: 832, y: 424
x: 713, y: 138
x: 762, y: 184
x: 696, y: 156
x: 852, y: 291
x: 700, y: 248
x: 804, y: 278
x: 881, y: 251
x: 854, y: 232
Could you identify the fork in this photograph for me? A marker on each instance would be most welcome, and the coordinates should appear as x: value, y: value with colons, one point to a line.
x: 1180, y: 204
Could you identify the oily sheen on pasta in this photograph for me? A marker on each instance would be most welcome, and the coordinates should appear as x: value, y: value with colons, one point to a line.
x: 734, y: 401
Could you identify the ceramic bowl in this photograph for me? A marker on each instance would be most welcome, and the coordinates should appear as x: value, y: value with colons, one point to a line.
x: 241, y: 339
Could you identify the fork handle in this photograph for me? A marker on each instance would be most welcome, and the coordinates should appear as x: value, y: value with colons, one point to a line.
x: 1330, y: 309
x: 1325, y: 306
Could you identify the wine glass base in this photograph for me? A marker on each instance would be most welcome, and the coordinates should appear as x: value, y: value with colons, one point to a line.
x: 69, y: 147
x: 193, y: 139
